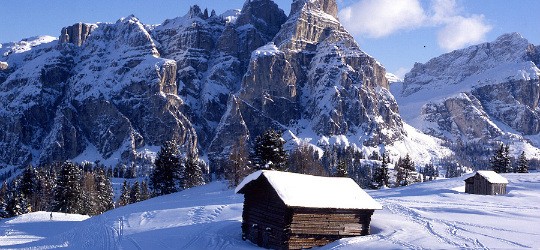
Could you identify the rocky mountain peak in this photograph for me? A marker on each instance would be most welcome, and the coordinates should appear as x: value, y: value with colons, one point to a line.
x: 327, y: 6
x: 310, y: 23
x: 494, y: 59
x: 265, y: 15
x: 77, y: 33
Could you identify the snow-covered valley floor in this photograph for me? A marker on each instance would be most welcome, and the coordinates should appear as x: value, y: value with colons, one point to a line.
x: 433, y: 215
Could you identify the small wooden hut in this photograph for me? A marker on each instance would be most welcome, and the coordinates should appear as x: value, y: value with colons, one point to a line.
x: 487, y: 183
x: 295, y: 211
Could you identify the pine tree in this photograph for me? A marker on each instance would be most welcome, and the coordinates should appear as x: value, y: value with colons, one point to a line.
x: 269, y: 152
x: 380, y: 175
x: 67, y: 193
x: 28, y: 187
x: 500, y: 161
x: 89, y: 194
x: 523, y: 163
x: 400, y: 173
x: 124, y: 196
x: 3, y: 199
x: 430, y: 172
x: 166, y: 174
x: 135, y: 193
x: 237, y: 166
x: 145, y: 194
x: 341, y: 169
x: 193, y: 175
x: 104, y: 190
x: 506, y: 160
x: 46, y: 182
x: 305, y: 160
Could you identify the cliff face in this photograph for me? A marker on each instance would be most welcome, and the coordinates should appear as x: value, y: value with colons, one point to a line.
x: 487, y: 92
x: 314, y: 77
x: 77, y: 33
x: 206, y: 80
x: 106, y: 91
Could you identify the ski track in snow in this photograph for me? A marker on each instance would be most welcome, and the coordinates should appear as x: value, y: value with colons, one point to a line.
x: 421, y: 216
x: 428, y: 224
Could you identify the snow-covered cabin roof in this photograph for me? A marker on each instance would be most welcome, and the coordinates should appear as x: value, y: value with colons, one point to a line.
x: 492, y: 176
x: 299, y: 190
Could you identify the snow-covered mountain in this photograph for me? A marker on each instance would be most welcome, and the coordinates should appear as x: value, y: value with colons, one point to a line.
x: 431, y: 215
x: 477, y: 95
x: 114, y: 91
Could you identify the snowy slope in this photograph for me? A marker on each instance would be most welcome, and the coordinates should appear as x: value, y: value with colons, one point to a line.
x: 483, y: 94
x: 435, y: 215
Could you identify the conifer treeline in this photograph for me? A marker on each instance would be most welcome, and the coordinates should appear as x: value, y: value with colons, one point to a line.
x: 61, y: 187
x: 335, y: 160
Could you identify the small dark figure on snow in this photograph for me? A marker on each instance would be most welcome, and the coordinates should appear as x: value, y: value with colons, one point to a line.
x: 51, y: 215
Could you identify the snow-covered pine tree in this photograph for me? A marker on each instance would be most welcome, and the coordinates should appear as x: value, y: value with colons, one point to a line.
x: 380, y: 174
x: 430, y: 173
x: 17, y: 203
x: 166, y: 174
x: 193, y: 175
x: 145, y: 193
x: 507, y: 166
x: 46, y: 176
x: 3, y: 196
x: 28, y: 187
x: 237, y: 166
x: 408, y: 167
x: 124, y: 196
x: 522, y: 163
x: 400, y: 173
x: 67, y: 192
x: 89, y: 194
x: 269, y: 152
x: 342, y: 169
x: 104, y: 191
x: 496, y: 160
x: 135, y: 193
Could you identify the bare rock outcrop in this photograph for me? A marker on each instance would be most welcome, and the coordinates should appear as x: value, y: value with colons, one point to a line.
x: 77, y: 33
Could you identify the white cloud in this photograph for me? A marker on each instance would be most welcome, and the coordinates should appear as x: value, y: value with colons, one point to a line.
x: 460, y: 32
x: 379, y: 18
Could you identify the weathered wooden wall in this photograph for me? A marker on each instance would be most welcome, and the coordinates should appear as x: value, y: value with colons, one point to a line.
x: 265, y: 216
x: 269, y: 223
x: 316, y: 227
x: 480, y: 185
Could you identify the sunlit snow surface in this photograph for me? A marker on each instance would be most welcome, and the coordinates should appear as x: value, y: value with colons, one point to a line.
x: 435, y: 215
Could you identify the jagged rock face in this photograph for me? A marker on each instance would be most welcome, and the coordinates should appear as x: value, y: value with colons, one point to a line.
x: 205, y: 80
x: 314, y: 71
x: 109, y: 91
x: 462, y: 116
x: 77, y: 33
x: 212, y: 55
x: 482, y: 92
x: 270, y: 85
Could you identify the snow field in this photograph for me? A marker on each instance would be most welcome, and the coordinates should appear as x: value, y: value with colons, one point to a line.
x: 431, y: 215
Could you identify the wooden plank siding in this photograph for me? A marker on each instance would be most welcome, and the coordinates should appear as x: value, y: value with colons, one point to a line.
x: 477, y: 184
x: 265, y: 217
x: 269, y: 223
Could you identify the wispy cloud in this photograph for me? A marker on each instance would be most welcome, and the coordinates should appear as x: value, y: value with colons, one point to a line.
x: 380, y: 18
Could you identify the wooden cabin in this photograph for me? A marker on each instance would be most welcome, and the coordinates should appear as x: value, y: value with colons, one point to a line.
x: 295, y: 211
x: 487, y: 183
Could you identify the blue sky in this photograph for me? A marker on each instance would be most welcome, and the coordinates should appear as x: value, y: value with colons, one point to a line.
x: 398, y: 33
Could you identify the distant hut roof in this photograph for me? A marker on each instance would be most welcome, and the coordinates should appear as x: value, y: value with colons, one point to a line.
x: 493, y: 177
x: 299, y: 190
